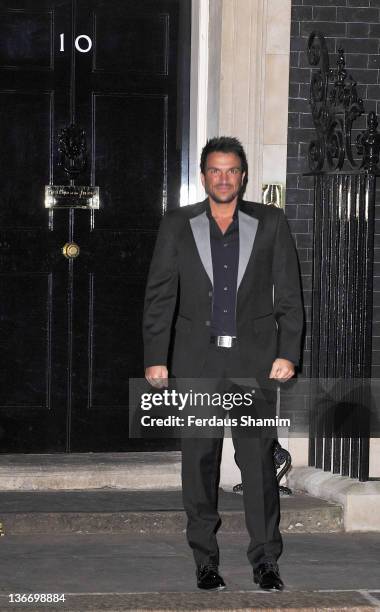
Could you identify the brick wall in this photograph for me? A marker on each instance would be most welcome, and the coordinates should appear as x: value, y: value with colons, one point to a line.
x: 354, y: 25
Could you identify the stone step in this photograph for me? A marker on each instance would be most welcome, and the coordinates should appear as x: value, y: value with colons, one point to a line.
x: 146, y: 512
x: 78, y: 471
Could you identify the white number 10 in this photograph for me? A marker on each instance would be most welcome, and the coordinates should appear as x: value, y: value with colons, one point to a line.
x: 77, y: 45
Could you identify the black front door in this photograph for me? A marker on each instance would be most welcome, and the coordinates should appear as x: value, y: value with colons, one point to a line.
x: 70, y: 327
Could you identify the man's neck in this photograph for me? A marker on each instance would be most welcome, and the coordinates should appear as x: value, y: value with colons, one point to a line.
x: 222, y: 211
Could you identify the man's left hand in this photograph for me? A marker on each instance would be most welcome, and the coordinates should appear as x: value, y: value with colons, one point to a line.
x: 282, y: 370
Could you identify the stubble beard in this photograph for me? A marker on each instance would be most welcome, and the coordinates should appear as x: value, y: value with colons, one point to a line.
x: 223, y: 200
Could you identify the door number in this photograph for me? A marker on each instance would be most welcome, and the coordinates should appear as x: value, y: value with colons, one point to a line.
x: 83, y: 46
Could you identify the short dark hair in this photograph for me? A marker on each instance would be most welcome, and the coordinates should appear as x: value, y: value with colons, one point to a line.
x: 224, y: 144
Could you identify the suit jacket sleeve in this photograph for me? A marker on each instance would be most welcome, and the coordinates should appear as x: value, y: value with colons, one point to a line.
x: 160, y: 296
x: 288, y: 308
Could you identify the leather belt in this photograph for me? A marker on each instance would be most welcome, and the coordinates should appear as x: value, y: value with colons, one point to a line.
x: 224, y: 341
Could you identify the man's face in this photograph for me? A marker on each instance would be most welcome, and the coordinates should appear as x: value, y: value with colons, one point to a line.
x: 223, y: 177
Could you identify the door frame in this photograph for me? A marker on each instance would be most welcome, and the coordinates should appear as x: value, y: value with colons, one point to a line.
x: 199, y: 67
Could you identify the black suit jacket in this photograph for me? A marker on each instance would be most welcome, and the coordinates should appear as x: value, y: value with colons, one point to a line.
x: 269, y: 312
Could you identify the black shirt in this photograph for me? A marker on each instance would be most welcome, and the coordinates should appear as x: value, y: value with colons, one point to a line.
x: 225, y: 262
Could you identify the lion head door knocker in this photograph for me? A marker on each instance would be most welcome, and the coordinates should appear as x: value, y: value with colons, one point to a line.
x: 72, y: 149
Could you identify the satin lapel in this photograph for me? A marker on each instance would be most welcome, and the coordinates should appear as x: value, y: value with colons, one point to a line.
x: 201, y: 231
x: 247, y: 234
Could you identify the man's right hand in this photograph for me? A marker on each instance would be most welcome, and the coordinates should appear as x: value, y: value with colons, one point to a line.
x: 157, y: 376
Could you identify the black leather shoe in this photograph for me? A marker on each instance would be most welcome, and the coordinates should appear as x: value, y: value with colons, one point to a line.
x: 209, y: 579
x: 267, y: 576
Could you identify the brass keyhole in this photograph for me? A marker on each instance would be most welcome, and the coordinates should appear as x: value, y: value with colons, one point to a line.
x: 70, y: 250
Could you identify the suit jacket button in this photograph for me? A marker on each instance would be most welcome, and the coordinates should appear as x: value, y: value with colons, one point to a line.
x: 207, y: 323
x: 210, y: 294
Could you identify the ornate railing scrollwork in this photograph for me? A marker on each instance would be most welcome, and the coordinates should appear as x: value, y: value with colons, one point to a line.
x: 368, y: 145
x: 335, y: 106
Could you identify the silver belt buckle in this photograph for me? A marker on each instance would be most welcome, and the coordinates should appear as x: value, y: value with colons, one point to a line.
x: 224, y: 341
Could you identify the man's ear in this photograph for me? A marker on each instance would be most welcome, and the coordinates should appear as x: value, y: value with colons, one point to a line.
x: 242, y: 178
x: 203, y: 179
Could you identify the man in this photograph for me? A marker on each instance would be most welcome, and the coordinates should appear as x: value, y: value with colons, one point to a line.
x: 231, y: 268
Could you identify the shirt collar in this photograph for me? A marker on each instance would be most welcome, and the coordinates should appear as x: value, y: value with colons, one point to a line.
x: 235, y: 215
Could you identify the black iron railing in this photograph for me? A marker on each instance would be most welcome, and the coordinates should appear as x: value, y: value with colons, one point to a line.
x: 344, y: 202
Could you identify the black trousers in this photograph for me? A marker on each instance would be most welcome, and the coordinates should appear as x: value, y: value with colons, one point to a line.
x: 201, y: 457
